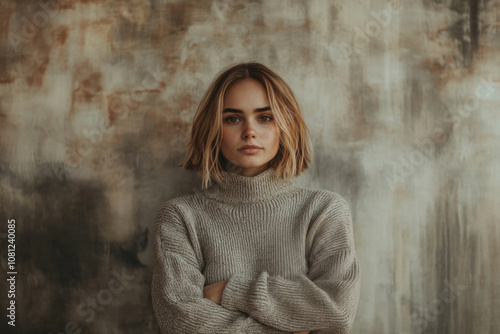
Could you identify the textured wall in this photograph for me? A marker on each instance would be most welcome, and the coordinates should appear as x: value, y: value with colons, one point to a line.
x: 401, y: 97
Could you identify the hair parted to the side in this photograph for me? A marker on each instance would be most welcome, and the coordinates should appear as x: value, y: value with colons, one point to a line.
x: 204, y: 154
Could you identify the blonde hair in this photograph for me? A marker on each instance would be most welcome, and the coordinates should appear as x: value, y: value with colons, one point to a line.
x: 204, y: 154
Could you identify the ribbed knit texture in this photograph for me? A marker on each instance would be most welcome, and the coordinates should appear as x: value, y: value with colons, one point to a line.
x: 288, y: 253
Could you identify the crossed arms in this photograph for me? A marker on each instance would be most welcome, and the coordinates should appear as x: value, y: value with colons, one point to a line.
x: 324, y: 299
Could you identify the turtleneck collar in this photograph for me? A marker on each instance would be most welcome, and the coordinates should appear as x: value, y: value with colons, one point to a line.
x: 240, y: 189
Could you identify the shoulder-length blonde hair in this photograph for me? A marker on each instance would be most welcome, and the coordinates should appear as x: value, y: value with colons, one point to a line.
x: 204, y: 154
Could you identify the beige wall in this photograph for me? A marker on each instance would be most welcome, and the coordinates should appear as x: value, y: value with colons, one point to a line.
x: 401, y: 98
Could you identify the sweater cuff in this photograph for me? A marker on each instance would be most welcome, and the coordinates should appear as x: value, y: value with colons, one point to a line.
x: 235, y: 293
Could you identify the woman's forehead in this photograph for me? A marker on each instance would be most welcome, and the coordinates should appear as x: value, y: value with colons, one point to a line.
x: 247, y: 92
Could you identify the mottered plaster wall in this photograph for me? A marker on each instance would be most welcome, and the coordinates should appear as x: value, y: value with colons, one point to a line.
x: 401, y: 99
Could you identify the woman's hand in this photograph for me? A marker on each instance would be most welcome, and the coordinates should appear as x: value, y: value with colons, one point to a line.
x: 214, y: 291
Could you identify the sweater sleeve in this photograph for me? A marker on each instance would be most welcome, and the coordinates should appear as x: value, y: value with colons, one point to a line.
x: 324, y: 300
x: 177, y: 286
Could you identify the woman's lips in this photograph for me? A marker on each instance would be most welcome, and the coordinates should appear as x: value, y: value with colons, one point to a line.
x: 250, y: 150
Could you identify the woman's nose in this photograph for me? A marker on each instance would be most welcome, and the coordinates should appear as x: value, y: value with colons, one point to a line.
x: 249, y: 131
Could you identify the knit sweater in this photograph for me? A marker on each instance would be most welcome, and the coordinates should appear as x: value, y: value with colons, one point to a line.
x: 288, y: 253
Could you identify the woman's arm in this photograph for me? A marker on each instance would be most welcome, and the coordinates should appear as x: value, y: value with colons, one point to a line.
x: 325, y: 299
x: 214, y: 293
x: 177, y: 286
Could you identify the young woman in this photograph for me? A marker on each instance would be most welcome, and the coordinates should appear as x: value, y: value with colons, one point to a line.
x: 251, y: 252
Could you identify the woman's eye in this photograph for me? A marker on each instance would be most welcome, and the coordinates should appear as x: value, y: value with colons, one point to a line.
x: 234, y: 119
x: 227, y: 119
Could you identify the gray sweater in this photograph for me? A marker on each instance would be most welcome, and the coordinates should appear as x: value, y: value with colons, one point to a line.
x: 288, y: 253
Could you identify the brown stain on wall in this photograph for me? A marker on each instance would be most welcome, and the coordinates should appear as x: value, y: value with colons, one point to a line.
x: 59, y: 35
x: 443, y: 70
x: 116, y: 106
x: 363, y: 103
x: 121, y: 103
x: 90, y: 87
x: 70, y: 4
x: 7, y: 80
x: 178, y: 16
x: 6, y: 11
x: 88, y: 91
x: 36, y: 78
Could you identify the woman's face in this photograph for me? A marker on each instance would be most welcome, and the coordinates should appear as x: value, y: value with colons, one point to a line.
x: 248, y: 120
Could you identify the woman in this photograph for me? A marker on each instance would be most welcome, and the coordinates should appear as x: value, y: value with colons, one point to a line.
x: 251, y: 252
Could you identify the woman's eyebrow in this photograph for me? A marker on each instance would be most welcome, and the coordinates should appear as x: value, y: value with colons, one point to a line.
x: 238, y: 111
